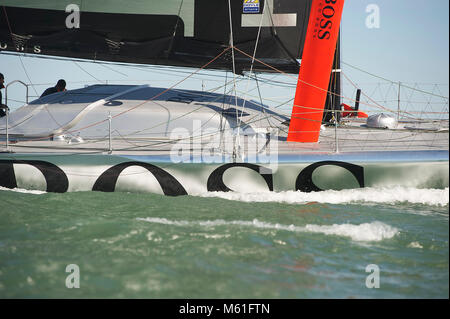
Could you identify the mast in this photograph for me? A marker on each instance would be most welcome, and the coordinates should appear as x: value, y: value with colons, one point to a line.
x: 315, y: 70
x: 333, y: 101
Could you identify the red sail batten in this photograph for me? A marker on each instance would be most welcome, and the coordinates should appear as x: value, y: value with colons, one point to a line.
x: 315, y: 70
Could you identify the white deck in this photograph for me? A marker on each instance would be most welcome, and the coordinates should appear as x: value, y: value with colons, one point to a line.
x: 150, y: 121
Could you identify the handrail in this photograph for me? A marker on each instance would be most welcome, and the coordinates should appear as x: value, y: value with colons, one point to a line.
x: 7, y: 109
x: 15, y: 81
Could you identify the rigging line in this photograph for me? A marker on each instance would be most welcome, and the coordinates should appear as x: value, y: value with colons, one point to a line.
x: 278, y: 83
x: 171, y: 120
x: 161, y: 93
x: 138, y: 105
x: 279, y: 71
x: 173, y: 141
x: 259, y: 93
x: 160, y: 143
x: 251, y: 70
x: 368, y: 97
x: 416, y: 102
x: 26, y: 73
x: 196, y: 137
x: 403, y: 83
x: 18, y: 101
x: 252, y: 120
x: 239, y: 80
x: 143, y: 68
x: 87, y: 72
x: 162, y: 123
x: 186, y: 138
x: 261, y: 101
x: 223, y: 108
x: 316, y: 87
x: 151, y: 68
x: 336, y: 99
x: 155, y: 70
x: 284, y: 103
x: 7, y: 22
x: 12, y: 38
x: 382, y: 78
x: 232, y: 55
x: 175, y: 29
x: 275, y: 35
x: 110, y: 68
x: 140, y: 67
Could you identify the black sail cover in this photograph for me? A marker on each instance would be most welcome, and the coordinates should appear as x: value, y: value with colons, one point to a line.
x: 171, y: 32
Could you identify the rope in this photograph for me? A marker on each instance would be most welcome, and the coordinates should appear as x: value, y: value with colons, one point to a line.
x: 175, y: 28
x: 87, y: 72
x: 138, y: 105
x: 251, y: 69
x: 394, y: 82
x: 234, y: 66
x: 20, y: 58
x: 239, y: 118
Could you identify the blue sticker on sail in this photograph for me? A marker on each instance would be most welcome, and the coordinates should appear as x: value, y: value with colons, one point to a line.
x: 251, y: 6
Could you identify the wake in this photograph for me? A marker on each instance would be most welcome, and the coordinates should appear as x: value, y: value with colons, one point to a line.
x: 391, y: 195
x: 374, y: 231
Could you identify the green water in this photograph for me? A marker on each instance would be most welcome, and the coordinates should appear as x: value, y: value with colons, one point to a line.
x: 150, y: 246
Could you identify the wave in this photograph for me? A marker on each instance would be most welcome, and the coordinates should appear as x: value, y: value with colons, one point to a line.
x: 391, y: 195
x: 21, y: 190
x: 374, y: 231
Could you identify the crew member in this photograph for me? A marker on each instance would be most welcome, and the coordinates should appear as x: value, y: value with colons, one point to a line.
x: 60, y: 86
x: 3, y: 107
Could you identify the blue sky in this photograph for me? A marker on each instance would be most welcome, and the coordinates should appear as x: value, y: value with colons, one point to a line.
x: 411, y: 46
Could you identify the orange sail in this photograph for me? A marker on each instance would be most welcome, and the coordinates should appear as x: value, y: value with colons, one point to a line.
x: 315, y: 70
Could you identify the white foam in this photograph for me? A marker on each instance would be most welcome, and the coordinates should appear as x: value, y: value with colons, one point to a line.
x: 415, y: 244
x: 391, y: 195
x: 374, y: 231
x: 20, y: 190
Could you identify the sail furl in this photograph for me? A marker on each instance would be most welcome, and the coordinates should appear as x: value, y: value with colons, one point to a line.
x: 315, y: 70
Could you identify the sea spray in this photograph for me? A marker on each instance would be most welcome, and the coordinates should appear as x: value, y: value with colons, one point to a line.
x: 392, y: 195
x: 375, y: 231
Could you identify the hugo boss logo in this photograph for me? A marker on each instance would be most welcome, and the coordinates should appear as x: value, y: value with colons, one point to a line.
x: 57, y: 181
x: 169, y: 184
x: 324, y: 23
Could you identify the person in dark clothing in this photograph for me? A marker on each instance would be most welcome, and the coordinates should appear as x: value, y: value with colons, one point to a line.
x: 60, y: 86
x: 3, y: 107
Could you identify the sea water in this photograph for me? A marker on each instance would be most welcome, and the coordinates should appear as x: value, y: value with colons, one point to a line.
x: 362, y: 243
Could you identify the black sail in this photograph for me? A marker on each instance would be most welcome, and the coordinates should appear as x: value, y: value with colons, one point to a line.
x: 150, y: 37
